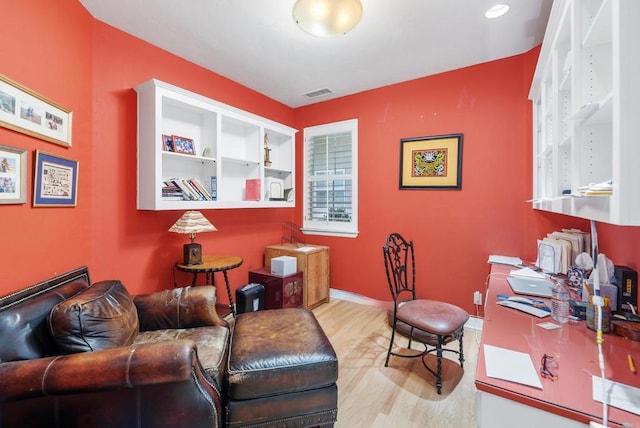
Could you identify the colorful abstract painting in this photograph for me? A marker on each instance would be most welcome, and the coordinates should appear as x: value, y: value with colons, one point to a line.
x: 430, y: 163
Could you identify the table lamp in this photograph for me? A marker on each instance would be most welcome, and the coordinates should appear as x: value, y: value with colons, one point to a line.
x: 192, y: 222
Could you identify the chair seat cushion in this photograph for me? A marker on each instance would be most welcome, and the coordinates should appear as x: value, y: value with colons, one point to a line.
x: 434, y: 317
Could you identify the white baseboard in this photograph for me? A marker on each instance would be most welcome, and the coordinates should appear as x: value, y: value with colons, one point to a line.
x: 357, y: 298
x: 474, y: 323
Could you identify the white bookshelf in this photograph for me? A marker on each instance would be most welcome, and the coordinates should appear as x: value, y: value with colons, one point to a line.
x: 586, y: 105
x: 228, y: 143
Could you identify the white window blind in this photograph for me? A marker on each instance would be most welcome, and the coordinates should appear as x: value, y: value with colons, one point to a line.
x: 330, y: 188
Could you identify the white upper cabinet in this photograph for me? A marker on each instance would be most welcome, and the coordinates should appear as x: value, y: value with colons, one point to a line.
x: 198, y: 153
x: 586, y: 112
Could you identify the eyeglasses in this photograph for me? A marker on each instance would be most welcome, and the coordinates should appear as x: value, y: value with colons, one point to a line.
x: 548, y: 363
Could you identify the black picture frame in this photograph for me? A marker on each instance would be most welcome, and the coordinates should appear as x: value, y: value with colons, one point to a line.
x: 433, y: 162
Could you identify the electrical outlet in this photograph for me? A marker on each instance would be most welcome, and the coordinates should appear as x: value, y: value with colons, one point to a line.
x: 477, y: 298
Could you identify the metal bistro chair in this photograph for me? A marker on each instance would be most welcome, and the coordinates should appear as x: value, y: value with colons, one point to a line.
x: 432, y: 323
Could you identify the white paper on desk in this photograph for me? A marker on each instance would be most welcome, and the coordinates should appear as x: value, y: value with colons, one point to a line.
x: 527, y: 273
x: 619, y: 395
x: 305, y: 249
x: 513, y: 366
x: 504, y: 260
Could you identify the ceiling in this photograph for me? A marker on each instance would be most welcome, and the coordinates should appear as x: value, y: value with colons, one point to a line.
x: 257, y: 44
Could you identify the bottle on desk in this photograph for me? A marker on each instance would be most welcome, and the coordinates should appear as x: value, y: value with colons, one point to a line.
x: 560, y: 298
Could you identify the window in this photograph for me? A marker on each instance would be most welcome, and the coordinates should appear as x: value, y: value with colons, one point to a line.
x: 331, y: 179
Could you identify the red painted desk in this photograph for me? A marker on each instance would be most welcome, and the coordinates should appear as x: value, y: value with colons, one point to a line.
x: 565, y: 402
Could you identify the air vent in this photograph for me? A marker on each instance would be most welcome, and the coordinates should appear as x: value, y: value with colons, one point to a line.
x: 318, y: 93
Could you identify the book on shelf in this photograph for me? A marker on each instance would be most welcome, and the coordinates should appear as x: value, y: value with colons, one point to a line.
x: 214, y: 188
x: 171, y: 192
x: 189, y: 189
x: 200, y: 188
x: 187, y: 194
x: 252, y: 189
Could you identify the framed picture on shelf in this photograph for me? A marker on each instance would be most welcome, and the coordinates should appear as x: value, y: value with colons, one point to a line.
x: 183, y: 145
x: 13, y: 175
x: 431, y: 162
x: 28, y: 112
x: 56, y: 181
x: 167, y: 143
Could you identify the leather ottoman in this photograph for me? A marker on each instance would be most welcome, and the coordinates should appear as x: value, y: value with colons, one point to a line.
x: 282, y: 371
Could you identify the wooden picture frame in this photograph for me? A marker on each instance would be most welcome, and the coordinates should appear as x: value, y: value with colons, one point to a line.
x: 56, y: 181
x: 13, y: 175
x: 183, y: 145
x: 167, y: 143
x: 431, y: 162
x: 28, y: 112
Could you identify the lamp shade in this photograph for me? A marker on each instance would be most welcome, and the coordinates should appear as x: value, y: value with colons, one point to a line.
x: 192, y: 222
x: 326, y: 18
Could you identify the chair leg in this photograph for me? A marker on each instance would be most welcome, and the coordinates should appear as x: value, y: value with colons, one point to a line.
x: 439, y: 359
x: 393, y: 335
x: 461, y: 353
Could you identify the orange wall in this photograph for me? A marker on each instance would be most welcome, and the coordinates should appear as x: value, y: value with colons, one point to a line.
x: 91, y: 69
x: 454, y: 230
x: 47, y: 47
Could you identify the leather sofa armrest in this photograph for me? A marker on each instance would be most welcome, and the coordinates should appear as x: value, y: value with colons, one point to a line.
x: 184, y: 307
x: 117, y: 368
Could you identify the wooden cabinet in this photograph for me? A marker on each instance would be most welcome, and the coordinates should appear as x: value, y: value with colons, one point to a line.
x: 313, y: 261
x: 227, y: 153
x: 585, y: 107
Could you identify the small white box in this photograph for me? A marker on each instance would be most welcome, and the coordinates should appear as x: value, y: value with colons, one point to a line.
x: 284, y: 265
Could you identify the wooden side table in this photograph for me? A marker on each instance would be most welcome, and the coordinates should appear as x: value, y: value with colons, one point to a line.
x: 313, y: 261
x: 211, y: 265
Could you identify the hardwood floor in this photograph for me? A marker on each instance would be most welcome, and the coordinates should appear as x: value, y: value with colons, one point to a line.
x: 403, y: 394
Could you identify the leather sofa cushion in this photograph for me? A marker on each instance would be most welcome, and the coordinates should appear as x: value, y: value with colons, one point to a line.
x: 182, y: 307
x: 211, y: 343
x: 101, y: 317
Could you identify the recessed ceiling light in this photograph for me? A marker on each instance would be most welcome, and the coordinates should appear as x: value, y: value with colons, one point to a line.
x: 497, y: 10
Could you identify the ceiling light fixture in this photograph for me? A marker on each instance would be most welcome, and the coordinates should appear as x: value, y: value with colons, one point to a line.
x: 325, y: 18
x: 497, y: 11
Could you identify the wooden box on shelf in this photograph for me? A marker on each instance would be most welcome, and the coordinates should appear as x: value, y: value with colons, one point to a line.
x: 313, y: 261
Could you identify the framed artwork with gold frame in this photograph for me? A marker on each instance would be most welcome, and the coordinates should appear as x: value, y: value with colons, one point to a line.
x: 431, y: 162
x: 28, y: 112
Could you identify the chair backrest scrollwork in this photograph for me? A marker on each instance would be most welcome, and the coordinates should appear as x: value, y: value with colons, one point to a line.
x: 399, y: 261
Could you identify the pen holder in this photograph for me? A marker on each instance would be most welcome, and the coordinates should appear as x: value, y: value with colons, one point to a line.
x: 592, y: 317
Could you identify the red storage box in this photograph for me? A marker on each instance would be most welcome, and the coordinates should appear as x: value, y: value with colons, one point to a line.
x: 279, y: 291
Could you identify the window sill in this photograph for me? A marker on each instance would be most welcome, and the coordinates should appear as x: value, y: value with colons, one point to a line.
x: 337, y: 233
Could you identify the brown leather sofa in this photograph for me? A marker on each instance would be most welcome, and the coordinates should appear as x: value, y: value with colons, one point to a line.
x: 76, y: 354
